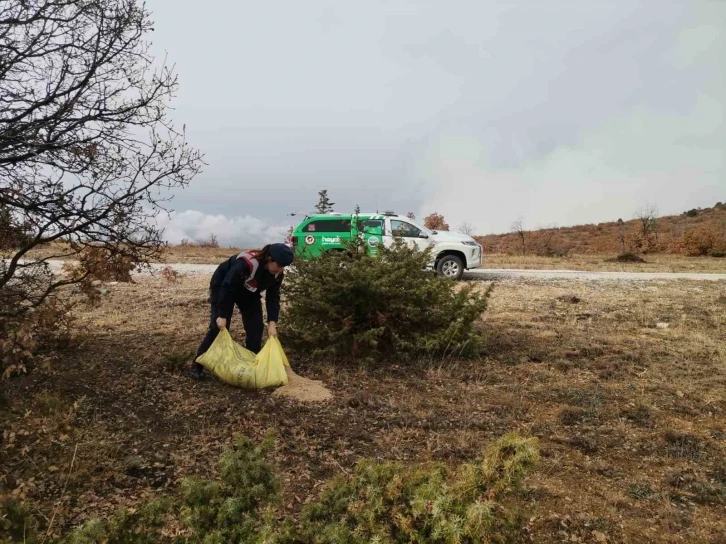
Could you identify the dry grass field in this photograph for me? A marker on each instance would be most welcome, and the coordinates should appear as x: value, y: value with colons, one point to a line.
x: 624, y: 385
x: 608, y: 263
x: 604, y: 262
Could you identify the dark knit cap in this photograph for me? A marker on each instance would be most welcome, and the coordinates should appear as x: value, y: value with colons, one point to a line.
x: 281, y: 254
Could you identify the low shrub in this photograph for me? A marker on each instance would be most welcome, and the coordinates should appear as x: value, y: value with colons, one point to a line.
x: 97, y: 264
x: 390, y: 503
x: 35, y: 317
x: 703, y: 240
x: 17, y: 523
x: 627, y: 258
x: 46, y: 328
x: 684, y: 445
x: 210, y: 242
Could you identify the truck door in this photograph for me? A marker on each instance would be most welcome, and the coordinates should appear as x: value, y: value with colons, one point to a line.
x: 412, y: 236
x: 372, y: 235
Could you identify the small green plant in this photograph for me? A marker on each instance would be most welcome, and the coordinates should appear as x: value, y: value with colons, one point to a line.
x: 176, y: 362
x: 390, y: 503
x: 640, y: 492
x: 17, y: 523
x: 352, y: 303
x: 49, y: 404
x: 639, y: 414
x: 229, y: 509
x: 138, y: 526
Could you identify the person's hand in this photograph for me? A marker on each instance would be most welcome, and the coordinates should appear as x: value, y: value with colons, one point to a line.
x: 272, y: 329
x: 221, y: 323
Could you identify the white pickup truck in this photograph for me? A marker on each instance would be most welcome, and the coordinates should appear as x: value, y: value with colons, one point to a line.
x: 453, y: 252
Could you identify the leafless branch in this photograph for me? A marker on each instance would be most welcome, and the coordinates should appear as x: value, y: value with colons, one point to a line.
x: 87, y: 153
x: 518, y: 229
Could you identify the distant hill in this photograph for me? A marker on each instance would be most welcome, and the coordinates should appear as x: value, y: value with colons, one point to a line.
x: 700, y: 231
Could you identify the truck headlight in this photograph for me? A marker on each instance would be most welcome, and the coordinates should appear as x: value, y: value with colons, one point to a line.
x: 472, y: 243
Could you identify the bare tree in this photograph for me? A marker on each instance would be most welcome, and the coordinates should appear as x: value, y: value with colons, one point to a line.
x: 466, y: 228
x: 518, y: 229
x: 621, y: 234
x: 88, y: 156
x: 544, y: 241
x: 648, y: 218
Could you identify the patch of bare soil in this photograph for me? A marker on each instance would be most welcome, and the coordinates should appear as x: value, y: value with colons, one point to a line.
x: 303, y: 389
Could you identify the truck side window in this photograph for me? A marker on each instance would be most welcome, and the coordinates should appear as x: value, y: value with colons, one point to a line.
x: 332, y: 225
x: 401, y: 229
x: 374, y: 223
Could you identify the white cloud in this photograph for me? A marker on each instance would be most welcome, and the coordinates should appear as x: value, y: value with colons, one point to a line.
x: 239, y: 231
x: 644, y: 156
x: 664, y: 144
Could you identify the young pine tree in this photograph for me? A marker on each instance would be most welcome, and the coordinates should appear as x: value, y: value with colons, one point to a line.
x: 345, y: 303
x: 324, y: 204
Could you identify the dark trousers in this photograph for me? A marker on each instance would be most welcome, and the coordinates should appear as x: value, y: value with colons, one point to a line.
x: 251, y: 309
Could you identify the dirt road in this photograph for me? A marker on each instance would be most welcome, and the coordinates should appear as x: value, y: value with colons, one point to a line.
x: 491, y: 273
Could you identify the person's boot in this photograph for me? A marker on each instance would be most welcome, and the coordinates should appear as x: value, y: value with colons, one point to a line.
x: 196, y: 372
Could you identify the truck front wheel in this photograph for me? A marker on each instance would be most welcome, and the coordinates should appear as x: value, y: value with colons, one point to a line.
x: 450, y: 266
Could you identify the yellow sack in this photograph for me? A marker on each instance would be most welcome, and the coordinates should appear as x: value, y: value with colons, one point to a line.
x: 238, y: 366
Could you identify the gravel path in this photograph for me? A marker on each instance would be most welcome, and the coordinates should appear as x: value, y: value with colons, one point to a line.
x: 491, y: 273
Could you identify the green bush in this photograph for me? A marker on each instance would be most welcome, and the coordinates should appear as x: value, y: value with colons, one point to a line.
x: 233, y: 508
x: 390, y: 503
x: 386, y: 503
x: 229, y: 510
x: 17, y: 523
x: 351, y: 303
x: 140, y: 526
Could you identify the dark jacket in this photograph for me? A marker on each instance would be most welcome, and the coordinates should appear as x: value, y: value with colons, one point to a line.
x: 231, y: 283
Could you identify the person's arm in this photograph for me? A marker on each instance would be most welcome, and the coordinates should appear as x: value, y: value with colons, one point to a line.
x: 272, y: 302
x: 232, y: 281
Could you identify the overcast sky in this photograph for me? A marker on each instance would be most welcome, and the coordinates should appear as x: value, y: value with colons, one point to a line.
x: 558, y: 111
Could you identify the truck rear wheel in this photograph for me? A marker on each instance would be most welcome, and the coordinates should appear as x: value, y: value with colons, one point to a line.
x: 450, y: 266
